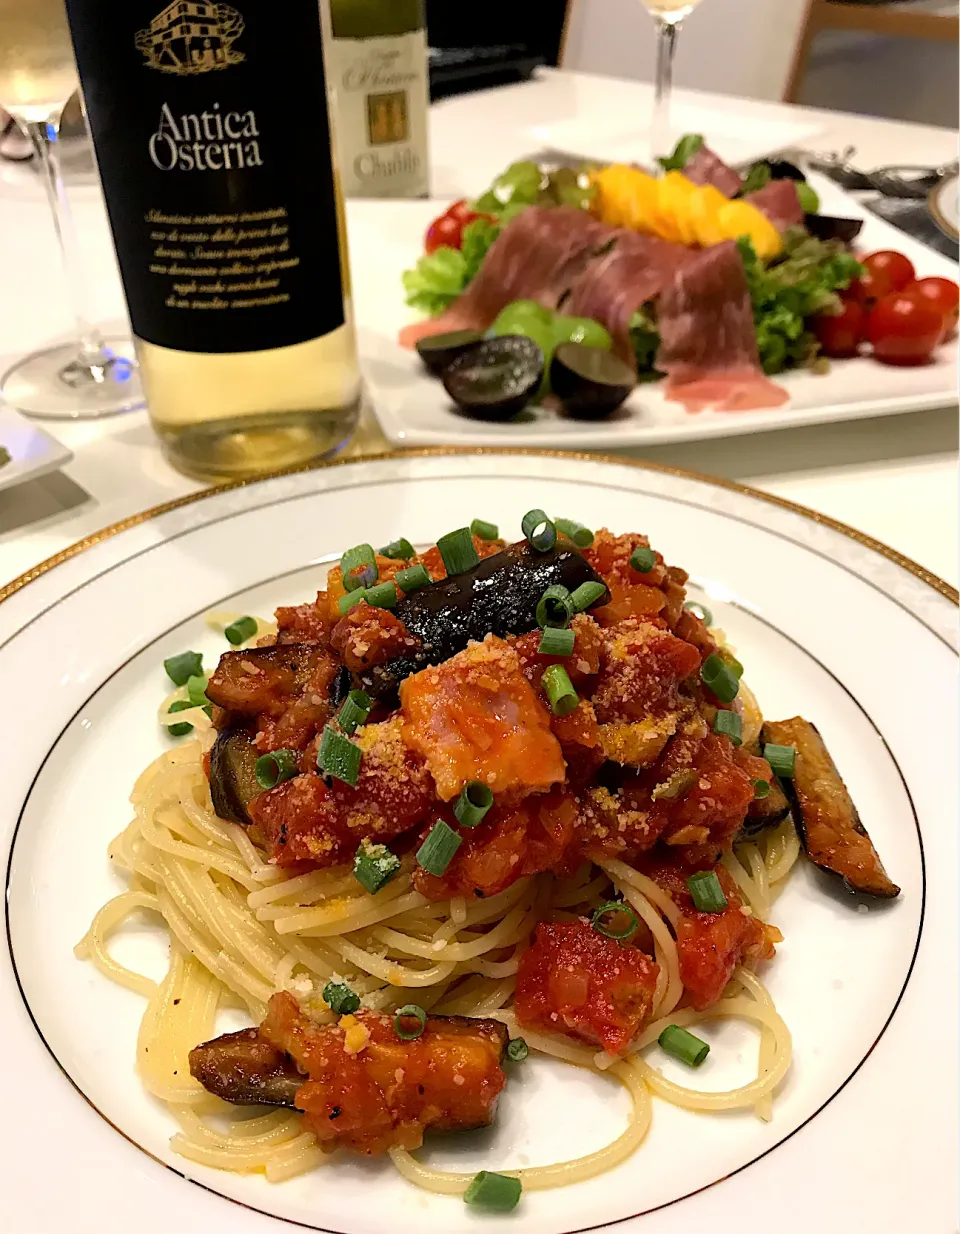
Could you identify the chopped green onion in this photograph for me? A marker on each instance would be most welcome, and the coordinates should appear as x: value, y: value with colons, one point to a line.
x: 374, y: 865
x: 540, y: 531
x: 181, y: 729
x: 555, y: 607
x: 484, y: 531
x: 271, y: 769
x: 346, y: 603
x: 683, y: 1045
x: 719, y: 679
x: 340, y: 998
x: 498, y: 1193
x: 580, y: 535
x: 675, y: 786
x: 354, y: 712
x: 197, y: 691
x: 409, y: 580
x: 761, y: 789
x: 701, y: 611
x: 438, y: 849
x: 733, y: 663
x: 474, y: 801
x: 517, y: 1050
x: 706, y: 891
x: 614, y: 909
x: 729, y: 724
x: 586, y: 595
x: 399, y: 550
x: 556, y: 642
x: 782, y: 759
x: 186, y: 664
x: 338, y: 757
x: 401, y: 1026
x: 457, y: 551
x: 643, y: 559
x: 240, y: 630
x: 359, y: 567
x: 563, y: 697
x: 384, y: 595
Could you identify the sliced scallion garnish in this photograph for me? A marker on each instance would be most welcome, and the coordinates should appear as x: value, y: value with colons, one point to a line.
x: 359, y: 567
x: 197, y: 691
x: 374, y: 865
x: 782, y: 759
x: 438, y: 849
x: 701, y: 611
x: 719, y: 678
x: 409, y: 1022
x: 497, y: 1193
x: 683, y: 1045
x: 586, y: 595
x: 556, y: 642
x: 457, y: 551
x: 605, y: 917
x: 398, y: 550
x: 580, y: 535
x: 340, y: 998
x: 761, y: 789
x: 346, y: 603
x: 729, y: 724
x: 517, y: 1050
x: 239, y: 631
x: 555, y: 607
x: 412, y: 578
x: 271, y: 769
x: 181, y: 729
x: 354, y: 712
x: 643, y: 559
x: 186, y: 664
x: 474, y: 801
x: 540, y: 531
x: 706, y: 892
x: 563, y: 697
x: 338, y: 757
x: 483, y: 530
x: 383, y: 595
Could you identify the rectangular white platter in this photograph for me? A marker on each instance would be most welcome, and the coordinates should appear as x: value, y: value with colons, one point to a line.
x: 33, y: 451
x: 387, y: 237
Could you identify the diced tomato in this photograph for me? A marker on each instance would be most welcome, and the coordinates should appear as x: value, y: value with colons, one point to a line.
x: 476, y: 717
x: 659, y: 591
x: 715, y: 787
x: 368, y: 1090
x: 581, y: 664
x: 573, y: 980
x: 306, y: 819
x: 368, y: 635
x: 710, y: 946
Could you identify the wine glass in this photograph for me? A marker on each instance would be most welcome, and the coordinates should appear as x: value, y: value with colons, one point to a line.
x: 668, y: 14
x: 90, y: 376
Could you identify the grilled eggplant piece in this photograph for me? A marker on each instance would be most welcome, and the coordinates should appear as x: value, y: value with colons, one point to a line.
x: 261, y: 678
x: 233, y: 781
x: 826, y: 818
x: 498, y: 596
x: 246, y: 1069
x: 767, y: 811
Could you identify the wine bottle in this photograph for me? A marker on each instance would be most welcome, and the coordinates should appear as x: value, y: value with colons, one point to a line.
x: 377, y: 60
x: 212, y: 138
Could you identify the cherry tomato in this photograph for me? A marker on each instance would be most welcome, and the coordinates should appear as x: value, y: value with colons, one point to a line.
x: 460, y: 209
x: 886, y: 271
x: 840, y: 336
x: 448, y: 228
x: 941, y: 294
x: 904, y: 329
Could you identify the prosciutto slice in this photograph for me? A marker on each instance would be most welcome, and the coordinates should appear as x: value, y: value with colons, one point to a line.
x: 780, y: 202
x: 633, y: 270
x: 705, y: 167
x: 708, y: 346
x: 536, y: 257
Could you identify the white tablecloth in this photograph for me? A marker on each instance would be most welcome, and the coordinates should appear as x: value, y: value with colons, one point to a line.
x: 893, y: 478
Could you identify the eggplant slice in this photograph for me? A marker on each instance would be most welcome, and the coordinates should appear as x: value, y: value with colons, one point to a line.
x: 767, y: 811
x: 826, y: 818
x: 246, y: 1069
x: 233, y: 780
x: 498, y: 596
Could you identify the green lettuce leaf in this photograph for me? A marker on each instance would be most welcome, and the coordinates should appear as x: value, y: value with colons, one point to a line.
x: 436, y: 280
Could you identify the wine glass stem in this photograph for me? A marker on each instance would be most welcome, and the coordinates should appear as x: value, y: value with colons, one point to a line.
x: 666, y: 47
x: 45, y: 135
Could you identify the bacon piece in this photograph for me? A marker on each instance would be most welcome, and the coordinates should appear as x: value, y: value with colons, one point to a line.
x: 705, y: 167
x: 708, y: 345
x: 304, y: 819
x: 476, y: 717
x: 780, y: 202
x: 535, y: 257
x: 512, y: 842
x: 710, y: 946
x: 574, y: 981
x: 368, y: 1091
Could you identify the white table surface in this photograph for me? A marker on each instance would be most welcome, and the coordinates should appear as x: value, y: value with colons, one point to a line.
x: 894, y: 478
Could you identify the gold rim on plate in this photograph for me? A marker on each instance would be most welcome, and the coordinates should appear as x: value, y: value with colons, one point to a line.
x: 824, y: 520
x: 948, y: 228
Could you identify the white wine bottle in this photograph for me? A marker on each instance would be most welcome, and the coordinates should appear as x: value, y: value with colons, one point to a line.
x: 377, y: 61
x: 213, y: 143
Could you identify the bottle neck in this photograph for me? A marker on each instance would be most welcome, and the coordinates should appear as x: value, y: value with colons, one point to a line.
x: 365, y: 19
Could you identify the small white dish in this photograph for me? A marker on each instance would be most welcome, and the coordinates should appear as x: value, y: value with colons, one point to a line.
x: 33, y: 451
x: 413, y: 408
x: 828, y: 623
x: 944, y: 202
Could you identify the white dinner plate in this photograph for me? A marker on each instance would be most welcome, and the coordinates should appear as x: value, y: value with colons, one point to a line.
x: 413, y: 408
x: 829, y: 625
x: 33, y: 451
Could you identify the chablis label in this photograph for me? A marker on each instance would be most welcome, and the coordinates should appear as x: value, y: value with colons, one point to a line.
x: 205, y: 118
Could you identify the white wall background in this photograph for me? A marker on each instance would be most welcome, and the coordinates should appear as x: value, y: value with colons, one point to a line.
x: 729, y: 46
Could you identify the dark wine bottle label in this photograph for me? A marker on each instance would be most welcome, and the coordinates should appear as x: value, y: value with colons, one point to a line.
x: 213, y: 142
